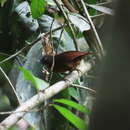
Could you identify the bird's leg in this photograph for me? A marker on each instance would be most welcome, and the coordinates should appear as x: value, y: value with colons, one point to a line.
x: 45, y: 73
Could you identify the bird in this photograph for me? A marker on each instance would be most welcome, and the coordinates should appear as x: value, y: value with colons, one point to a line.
x: 65, y: 61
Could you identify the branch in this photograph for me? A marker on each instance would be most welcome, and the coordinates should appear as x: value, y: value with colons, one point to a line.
x: 99, y: 44
x: 69, y: 6
x: 13, y: 88
x: 98, y: 15
x: 44, y: 95
x: 30, y: 45
x: 83, y: 87
x: 68, y: 23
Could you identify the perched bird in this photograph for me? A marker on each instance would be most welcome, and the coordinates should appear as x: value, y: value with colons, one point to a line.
x: 66, y: 61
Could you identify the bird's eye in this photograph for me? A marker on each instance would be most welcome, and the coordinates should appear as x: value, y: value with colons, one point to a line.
x: 43, y: 59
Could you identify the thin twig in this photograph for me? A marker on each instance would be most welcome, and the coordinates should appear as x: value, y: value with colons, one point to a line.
x: 7, y: 78
x: 51, y: 32
x: 69, y: 6
x: 4, y: 54
x: 66, y: 18
x: 29, y: 45
x: 73, y: 33
x: 53, y: 60
x: 98, y: 15
x: 82, y: 87
x: 14, y: 55
x: 60, y: 38
x: 101, y: 50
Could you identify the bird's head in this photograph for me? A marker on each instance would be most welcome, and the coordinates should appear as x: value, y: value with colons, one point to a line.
x: 47, y: 59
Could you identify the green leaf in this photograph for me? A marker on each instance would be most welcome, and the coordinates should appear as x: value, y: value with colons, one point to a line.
x: 102, y: 9
x: 38, y: 83
x: 2, y: 2
x: 91, y: 1
x: 73, y: 92
x: 91, y: 11
x: 37, y: 8
x: 79, y: 21
x: 73, y: 104
x: 75, y: 120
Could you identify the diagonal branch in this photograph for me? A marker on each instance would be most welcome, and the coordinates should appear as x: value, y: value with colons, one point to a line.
x: 99, y: 44
x: 44, y: 95
x: 68, y: 23
x: 30, y: 45
x: 85, y: 88
x: 13, y: 88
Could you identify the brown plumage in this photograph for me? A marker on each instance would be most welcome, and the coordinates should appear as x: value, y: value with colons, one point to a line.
x: 66, y: 61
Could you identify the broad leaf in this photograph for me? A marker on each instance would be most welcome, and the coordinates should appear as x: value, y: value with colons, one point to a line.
x: 75, y: 120
x: 79, y: 21
x: 103, y: 9
x: 73, y: 104
x: 73, y: 92
x: 37, y: 8
x: 37, y: 83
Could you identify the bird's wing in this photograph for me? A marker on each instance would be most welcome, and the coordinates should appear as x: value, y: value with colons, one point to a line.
x: 71, y: 55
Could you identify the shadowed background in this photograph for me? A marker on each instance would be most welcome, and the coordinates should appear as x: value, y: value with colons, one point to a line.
x: 112, y: 108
